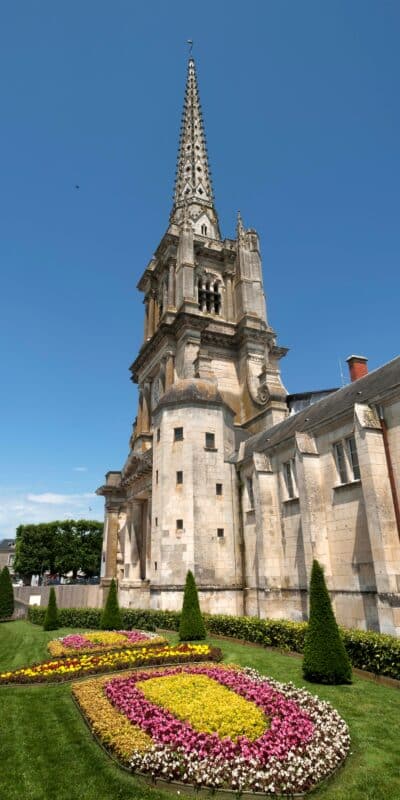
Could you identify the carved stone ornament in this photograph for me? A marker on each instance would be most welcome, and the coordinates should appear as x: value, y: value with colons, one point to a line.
x: 157, y: 390
x: 258, y: 391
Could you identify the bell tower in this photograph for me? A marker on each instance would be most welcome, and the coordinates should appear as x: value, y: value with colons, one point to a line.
x: 208, y: 370
x: 205, y: 309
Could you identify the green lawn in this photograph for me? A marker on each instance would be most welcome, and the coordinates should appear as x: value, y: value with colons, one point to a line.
x: 47, y: 753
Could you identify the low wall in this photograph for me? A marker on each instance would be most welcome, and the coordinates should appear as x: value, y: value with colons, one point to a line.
x: 68, y: 596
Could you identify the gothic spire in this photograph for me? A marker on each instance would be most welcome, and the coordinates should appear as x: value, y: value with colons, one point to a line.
x: 193, y: 186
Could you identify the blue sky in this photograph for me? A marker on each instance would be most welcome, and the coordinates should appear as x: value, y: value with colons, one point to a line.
x: 300, y: 101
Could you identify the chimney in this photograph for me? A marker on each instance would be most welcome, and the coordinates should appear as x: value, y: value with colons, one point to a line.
x: 358, y: 367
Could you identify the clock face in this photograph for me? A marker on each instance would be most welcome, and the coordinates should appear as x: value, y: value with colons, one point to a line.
x: 156, y: 392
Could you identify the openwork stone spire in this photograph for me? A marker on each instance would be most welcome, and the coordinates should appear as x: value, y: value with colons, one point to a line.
x: 193, y: 186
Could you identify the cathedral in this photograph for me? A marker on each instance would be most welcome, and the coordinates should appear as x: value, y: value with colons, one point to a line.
x: 229, y: 475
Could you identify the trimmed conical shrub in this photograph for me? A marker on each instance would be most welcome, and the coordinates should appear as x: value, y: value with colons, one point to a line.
x: 191, y: 626
x: 325, y: 658
x: 6, y: 594
x: 51, y: 616
x: 111, y: 619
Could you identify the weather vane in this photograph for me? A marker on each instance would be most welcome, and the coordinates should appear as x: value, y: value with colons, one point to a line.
x: 190, y: 43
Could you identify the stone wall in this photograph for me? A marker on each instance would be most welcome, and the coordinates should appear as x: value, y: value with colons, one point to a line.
x: 68, y: 596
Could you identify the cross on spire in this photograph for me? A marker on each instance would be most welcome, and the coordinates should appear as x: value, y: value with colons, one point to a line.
x: 193, y: 187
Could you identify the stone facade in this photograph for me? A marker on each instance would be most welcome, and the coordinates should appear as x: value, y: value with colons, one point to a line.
x: 227, y: 474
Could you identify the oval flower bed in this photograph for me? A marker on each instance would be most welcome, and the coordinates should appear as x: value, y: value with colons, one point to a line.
x: 97, y: 641
x: 64, y: 669
x: 216, y: 726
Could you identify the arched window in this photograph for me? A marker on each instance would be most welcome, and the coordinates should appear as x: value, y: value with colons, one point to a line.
x: 204, y: 230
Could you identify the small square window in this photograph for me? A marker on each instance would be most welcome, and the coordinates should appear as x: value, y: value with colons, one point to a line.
x: 178, y: 434
x: 158, y: 434
x: 179, y: 524
x: 220, y: 533
x: 218, y: 489
x: 179, y: 477
x: 210, y: 441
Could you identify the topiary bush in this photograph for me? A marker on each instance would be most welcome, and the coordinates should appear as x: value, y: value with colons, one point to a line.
x: 111, y: 619
x: 6, y: 594
x: 191, y: 625
x: 376, y: 652
x: 325, y: 658
x: 51, y: 617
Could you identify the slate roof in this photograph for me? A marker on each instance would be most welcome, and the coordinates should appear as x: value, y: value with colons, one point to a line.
x: 6, y: 545
x: 371, y: 388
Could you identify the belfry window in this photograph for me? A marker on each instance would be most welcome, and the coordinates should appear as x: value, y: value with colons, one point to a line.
x: 209, y: 296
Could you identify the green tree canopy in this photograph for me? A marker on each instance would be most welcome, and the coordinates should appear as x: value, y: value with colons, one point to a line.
x: 61, y: 546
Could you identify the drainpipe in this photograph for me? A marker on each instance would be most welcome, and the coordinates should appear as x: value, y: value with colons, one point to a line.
x: 390, y: 467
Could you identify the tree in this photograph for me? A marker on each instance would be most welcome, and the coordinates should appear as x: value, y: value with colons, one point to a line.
x: 35, y: 549
x: 61, y: 546
x: 325, y: 658
x: 191, y: 626
x: 111, y: 619
x: 6, y: 594
x: 91, y: 543
x: 51, y: 616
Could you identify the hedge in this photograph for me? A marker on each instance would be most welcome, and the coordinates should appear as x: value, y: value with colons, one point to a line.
x: 375, y: 652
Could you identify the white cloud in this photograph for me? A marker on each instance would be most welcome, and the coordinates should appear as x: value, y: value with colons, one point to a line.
x: 21, y: 508
x: 49, y: 498
x: 80, y: 469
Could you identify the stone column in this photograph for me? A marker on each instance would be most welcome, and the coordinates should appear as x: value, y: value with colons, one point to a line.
x: 112, y: 511
x: 145, y: 416
x: 169, y: 371
x: 164, y: 295
x: 229, y: 296
x: 140, y: 414
x: 143, y: 548
x: 148, y: 537
x: 135, y: 533
x: 146, y: 319
x: 171, y: 284
x: 156, y: 313
x: 150, y: 327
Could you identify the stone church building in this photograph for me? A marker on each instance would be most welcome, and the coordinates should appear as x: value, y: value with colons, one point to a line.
x: 227, y: 474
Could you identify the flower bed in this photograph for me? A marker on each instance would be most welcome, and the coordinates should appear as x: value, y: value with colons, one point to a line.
x: 97, y: 641
x: 65, y: 669
x: 216, y: 726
